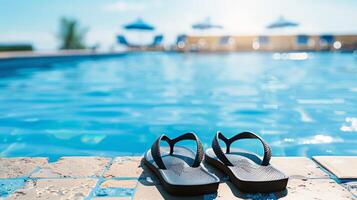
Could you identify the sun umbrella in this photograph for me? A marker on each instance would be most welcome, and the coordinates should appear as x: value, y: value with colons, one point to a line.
x: 140, y: 30
x: 281, y: 22
x: 139, y: 24
x: 206, y: 24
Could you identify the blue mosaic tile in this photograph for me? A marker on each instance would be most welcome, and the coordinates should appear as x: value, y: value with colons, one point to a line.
x: 8, y: 186
x: 114, y: 192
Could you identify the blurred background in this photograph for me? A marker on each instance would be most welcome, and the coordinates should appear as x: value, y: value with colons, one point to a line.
x: 40, y: 23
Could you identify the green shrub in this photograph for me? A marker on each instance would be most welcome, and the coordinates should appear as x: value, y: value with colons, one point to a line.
x: 16, y: 47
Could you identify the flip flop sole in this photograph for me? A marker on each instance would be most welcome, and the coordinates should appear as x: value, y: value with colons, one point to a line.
x: 185, y: 188
x: 247, y: 185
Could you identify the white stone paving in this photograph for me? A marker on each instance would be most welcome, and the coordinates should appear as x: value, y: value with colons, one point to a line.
x: 99, y: 178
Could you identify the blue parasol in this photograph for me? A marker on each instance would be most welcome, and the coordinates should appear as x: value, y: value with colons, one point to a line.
x: 281, y: 22
x: 206, y: 24
x: 139, y: 24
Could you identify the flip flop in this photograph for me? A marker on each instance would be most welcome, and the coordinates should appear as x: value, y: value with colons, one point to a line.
x: 245, y: 169
x: 179, y: 169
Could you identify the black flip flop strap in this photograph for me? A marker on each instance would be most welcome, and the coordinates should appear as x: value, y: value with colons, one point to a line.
x: 156, y: 154
x: 244, y: 135
x: 155, y: 151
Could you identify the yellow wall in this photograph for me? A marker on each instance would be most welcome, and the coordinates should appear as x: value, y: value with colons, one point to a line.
x: 275, y: 43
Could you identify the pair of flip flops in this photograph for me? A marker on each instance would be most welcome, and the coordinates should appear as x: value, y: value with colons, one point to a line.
x: 181, y: 171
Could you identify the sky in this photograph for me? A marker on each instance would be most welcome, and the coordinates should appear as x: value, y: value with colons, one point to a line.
x: 37, y: 21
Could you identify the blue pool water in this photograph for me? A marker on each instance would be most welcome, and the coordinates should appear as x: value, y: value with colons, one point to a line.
x: 302, y: 104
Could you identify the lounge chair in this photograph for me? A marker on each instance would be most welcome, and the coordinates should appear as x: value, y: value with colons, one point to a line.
x: 261, y: 43
x: 224, y: 40
x: 122, y: 40
x: 302, y: 40
x: 156, y: 44
x: 157, y: 41
x: 326, y: 42
x: 302, y: 43
x: 226, y: 43
x: 181, y: 42
x: 263, y: 40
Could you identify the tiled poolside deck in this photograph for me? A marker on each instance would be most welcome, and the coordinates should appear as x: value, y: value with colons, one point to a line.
x: 125, y: 178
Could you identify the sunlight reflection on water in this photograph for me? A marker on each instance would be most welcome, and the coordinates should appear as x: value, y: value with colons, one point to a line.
x: 301, y: 103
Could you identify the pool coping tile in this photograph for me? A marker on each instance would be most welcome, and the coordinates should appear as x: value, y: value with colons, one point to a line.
x: 126, y: 166
x: 343, y: 167
x: 20, y: 167
x: 298, y: 167
x: 61, y: 188
x: 74, y: 166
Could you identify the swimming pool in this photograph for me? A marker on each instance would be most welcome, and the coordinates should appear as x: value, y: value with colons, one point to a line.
x: 302, y: 104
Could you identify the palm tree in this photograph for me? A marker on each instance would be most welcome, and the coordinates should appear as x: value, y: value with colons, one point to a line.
x: 71, y: 35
